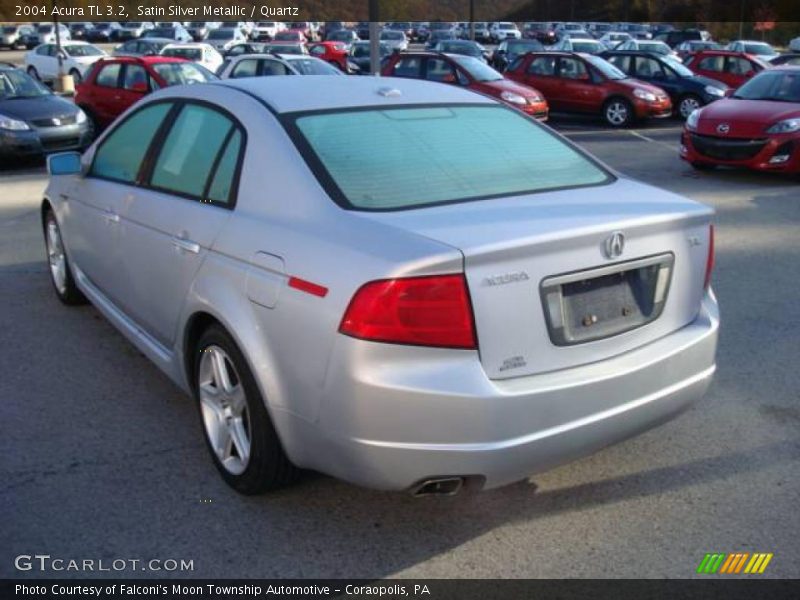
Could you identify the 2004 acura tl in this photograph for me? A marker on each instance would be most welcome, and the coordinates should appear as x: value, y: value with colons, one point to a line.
x: 399, y: 283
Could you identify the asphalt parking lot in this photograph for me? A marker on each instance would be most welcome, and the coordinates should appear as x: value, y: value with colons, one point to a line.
x: 103, y: 457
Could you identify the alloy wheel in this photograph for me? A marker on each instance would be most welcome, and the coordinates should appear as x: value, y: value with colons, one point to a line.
x: 617, y: 113
x: 688, y: 106
x: 224, y: 409
x: 56, y: 257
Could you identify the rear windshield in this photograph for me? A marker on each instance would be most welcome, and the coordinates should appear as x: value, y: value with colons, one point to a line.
x: 411, y: 157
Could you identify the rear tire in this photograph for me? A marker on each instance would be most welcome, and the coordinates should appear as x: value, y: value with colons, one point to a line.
x: 618, y: 113
x: 58, y: 263
x: 236, y: 425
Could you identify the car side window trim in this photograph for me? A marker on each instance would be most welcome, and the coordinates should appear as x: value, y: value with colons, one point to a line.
x: 149, y: 162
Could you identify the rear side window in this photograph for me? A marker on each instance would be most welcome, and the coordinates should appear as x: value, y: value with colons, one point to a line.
x: 245, y: 68
x: 411, y: 157
x: 135, y: 77
x: 543, y: 66
x: 222, y: 185
x: 120, y: 155
x: 621, y: 61
x: 190, y: 150
x: 712, y: 63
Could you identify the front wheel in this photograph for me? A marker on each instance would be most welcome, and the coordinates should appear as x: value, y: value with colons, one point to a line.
x: 618, y: 112
x: 238, y: 431
x: 60, y: 272
x: 688, y: 104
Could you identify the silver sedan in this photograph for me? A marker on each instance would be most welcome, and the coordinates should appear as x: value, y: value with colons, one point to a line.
x: 399, y: 283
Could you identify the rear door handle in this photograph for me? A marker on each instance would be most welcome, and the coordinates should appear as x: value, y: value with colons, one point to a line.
x: 187, y: 245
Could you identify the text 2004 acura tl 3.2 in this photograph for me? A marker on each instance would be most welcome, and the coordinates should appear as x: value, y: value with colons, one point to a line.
x: 402, y: 284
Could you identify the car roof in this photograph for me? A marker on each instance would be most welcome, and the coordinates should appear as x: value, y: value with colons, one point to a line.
x: 143, y: 59
x: 300, y: 94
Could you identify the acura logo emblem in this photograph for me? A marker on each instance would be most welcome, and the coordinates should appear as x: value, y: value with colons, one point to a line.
x: 614, y: 245
x: 723, y: 128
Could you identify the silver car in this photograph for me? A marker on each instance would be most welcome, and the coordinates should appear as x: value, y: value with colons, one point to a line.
x: 401, y: 284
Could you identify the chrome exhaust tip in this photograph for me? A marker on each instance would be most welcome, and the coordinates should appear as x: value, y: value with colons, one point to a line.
x: 441, y: 486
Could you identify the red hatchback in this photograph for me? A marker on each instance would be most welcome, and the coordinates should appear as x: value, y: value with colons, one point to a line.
x: 469, y: 72
x: 584, y: 83
x: 758, y: 127
x: 731, y: 68
x: 114, y: 84
x: 334, y: 53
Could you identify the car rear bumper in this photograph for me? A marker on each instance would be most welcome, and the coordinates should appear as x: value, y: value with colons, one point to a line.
x: 762, y: 154
x: 392, y: 417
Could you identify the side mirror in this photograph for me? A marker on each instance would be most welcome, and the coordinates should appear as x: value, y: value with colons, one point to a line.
x: 64, y: 163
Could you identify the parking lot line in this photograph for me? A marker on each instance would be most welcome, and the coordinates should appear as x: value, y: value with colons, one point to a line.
x: 649, y: 139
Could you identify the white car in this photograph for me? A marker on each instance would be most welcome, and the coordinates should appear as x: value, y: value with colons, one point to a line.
x: 11, y: 35
x: 266, y: 65
x: 794, y: 45
x: 200, y: 53
x: 396, y: 40
x: 760, y: 49
x: 654, y: 46
x: 46, y: 33
x: 265, y: 30
x: 77, y: 57
x: 614, y: 38
x: 224, y: 38
x: 504, y: 30
x: 587, y: 45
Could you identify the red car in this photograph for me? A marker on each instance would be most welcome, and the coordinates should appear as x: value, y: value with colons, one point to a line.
x: 114, y: 84
x: 332, y: 52
x: 758, y: 127
x: 584, y: 83
x: 469, y: 72
x: 731, y: 68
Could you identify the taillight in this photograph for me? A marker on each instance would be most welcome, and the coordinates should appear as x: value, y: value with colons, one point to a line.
x: 423, y: 311
x: 710, y: 257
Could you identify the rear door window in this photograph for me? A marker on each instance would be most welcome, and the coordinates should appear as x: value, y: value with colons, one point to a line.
x: 712, y: 63
x: 408, y: 66
x: 543, y: 66
x: 438, y: 69
x: 108, y: 75
x: 245, y: 68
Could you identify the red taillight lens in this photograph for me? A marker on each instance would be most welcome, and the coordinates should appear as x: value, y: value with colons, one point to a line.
x: 710, y: 258
x: 424, y: 311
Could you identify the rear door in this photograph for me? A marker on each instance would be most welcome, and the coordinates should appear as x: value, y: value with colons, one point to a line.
x: 652, y: 71
x: 579, y: 92
x: 169, y: 224
x: 541, y: 73
x: 134, y: 85
x: 104, y: 93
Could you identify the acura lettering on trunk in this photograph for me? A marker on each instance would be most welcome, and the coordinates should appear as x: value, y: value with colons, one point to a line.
x: 416, y: 290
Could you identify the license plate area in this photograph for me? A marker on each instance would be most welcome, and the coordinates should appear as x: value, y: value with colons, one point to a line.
x: 599, y: 303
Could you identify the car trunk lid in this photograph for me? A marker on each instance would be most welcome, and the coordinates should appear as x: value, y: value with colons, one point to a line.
x: 522, y: 254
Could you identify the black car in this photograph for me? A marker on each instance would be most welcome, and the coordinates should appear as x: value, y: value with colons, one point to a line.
x: 362, y: 30
x: 675, y: 37
x: 34, y: 121
x: 687, y: 90
x: 465, y: 47
x: 791, y: 58
x: 360, y: 56
x: 103, y: 32
x: 509, y: 50
x: 437, y: 36
x: 79, y: 31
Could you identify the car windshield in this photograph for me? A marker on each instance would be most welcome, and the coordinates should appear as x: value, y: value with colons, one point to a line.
x: 759, y: 49
x: 587, y: 46
x: 45, y: 28
x: 340, y: 35
x: 679, y: 68
x: 779, y: 86
x: 478, y: 69
x: 515, y: 48
x: 658, y: 47
x: 391, y: 35
x: 179, y: 73
x: 608, y: 70
x: 16, y: 84
x: 103, y: 26
x: 83, y: 50
x: 183, y: 52
x: 266, y: 24
x: 221, y: 34
x: 460, y: 48
x: 164, y: 32
x: 197, y: 24
x: 10, y: 29
x: 133, y: 24
x: 507, y: 26
x: 399, y: 158
x: 313, y: 66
